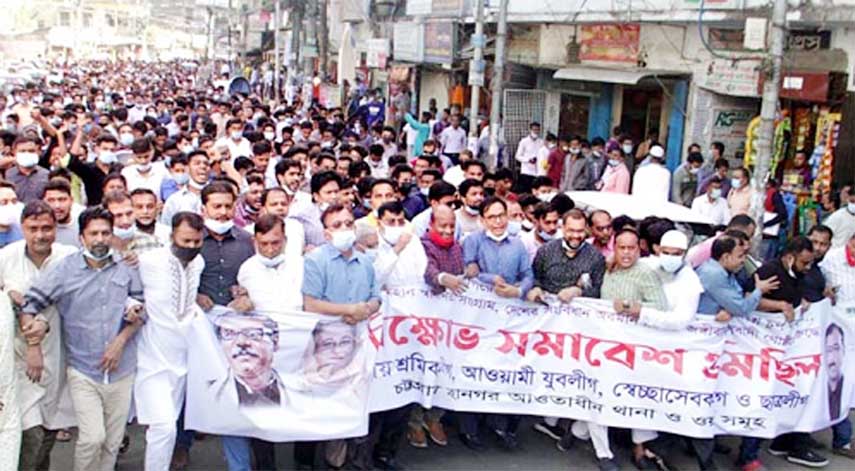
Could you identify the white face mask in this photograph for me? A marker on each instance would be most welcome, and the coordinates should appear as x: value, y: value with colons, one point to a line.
x: 219, y: 227
x: 850, y: 207
x: 126, y: 138
x: 269, y: 135
x: 27, y: 159
x: 272, y: 262
x: 514, y: 228
x: 237, y: 135
x: 371, y: 253
x: 546, y: 197
x: 124, y: 233
x: 497, y: 238
x: 10, y: 214
x: 343, y: 240
x: 670, y: 263
x: 627, y: 148
x: 393, y: 233
x: 107, y: 157
x: 736, y: 183
x: 715, y: 194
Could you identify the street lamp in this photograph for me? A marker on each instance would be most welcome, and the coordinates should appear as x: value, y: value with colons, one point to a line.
x: 385, y: 8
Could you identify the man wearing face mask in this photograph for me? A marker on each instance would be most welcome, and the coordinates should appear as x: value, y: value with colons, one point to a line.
x: 93, y: 174
x: 684, y: 182
x: 27, y: 176
x: 545, y: 228
x: 339, y: 281
x: 401, y: 258
x: 237, y: 144
x: 652, y: 180
x: 126, y: 237
x: 170, y: 279
x: 712, y: 204
x: 142, y: 173
x: 382, y: 191
x: 274, y: 275
x: 527, y: 157
x: 616, y: 176
x: 842, y: 221
x: 101, y: 361
x: 595, y: 163
x: 188, y: 198
x: 574, y: 176
x: 472, y: 193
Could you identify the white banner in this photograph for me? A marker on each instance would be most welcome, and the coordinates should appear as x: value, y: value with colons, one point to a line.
x: 759, y: 376
x: 277, y: 376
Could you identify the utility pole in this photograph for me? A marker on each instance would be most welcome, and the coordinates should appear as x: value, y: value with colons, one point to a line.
x: 768, y: 110
x: 324, y: 38
x: 498, y: 74
x: 209, y: 43
x: 311, y: 49
x: 231, y: 51
x: 244, y: 11
x: 277, y: 61
x: 476, y: 69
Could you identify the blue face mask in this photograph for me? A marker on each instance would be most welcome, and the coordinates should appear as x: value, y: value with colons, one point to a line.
x: 514, y: 228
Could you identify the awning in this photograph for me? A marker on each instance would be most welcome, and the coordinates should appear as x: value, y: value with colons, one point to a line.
x: 610, y: 75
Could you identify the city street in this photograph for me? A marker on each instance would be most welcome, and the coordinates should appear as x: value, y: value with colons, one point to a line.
x: 536, y: 452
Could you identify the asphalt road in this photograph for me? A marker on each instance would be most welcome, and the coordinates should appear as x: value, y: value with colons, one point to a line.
x: 536, y: 452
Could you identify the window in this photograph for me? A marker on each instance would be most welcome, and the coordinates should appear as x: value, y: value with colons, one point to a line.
x: 64, y: 18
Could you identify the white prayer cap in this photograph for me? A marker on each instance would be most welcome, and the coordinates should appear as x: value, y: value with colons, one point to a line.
x: 657, y: 152
x: 674, y: 239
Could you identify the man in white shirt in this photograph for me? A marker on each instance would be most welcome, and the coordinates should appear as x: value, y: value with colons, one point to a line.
x: 144, y: 204
x: 653, y: 180
x: 142, y: 173
x: 189, y: 198
x: 545, y: 228
x: 170, y: 277
x: 839, y: 272
x: 57, y: 195
x: 276, y: 202
x: 20, y: 263
x: 526, y: 155
x: 712, y: 205
x: 238, y: 145
x: 453, y: 139
x: 472, y: 193
x: 273, y: 277
x: 542, y: 163
x: 842, y: 222
x: 401, y: 259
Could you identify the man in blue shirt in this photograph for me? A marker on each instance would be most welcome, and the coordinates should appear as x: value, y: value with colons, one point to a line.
x: 340, y: 281
x: 722, y: 291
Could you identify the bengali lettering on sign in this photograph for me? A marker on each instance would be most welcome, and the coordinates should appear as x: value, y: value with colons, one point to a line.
x: 610, y: 42
x: 735, y: 78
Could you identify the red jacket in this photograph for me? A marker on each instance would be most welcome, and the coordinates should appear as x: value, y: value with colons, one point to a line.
x: 556, y: 165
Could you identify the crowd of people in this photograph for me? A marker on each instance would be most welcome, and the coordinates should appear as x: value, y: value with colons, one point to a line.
x: 136, y: 197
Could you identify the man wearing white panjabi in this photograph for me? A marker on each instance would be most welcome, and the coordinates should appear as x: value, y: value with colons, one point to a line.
x: 273, y: 277
x: 170, y: 279
x: 20, y: 263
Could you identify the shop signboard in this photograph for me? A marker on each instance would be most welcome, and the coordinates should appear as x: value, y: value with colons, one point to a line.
x: 447, y: 8
x: 610, y: 42
x: 735, y: 78
x: 407, y: 42
x: 808, y: 40
x: 418, y: 7
x: 439, y: 42
x: 377, y: 53
x: 729, y: 127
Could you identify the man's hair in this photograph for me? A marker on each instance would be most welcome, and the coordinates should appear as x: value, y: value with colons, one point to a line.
x: 191, y: 219
x: 93, y: 213
x: 622, y: 221
x: 179, y: 159
x: 721, y: 162
x: 542, y: 209
x: 255, y: 178
x: 266, y: 193
x: 283, y: 165
x: 831, y: 328
x: 215, y: 188
x: 268, y: 222
x: 695, y: 157
x: 195, y: 153
x: 541, y: 181
x: 394, y: 207
x: 266, y: 323
x: 143, y: 191
x: 114, y: 197
x: 744, y: 171
x: 141, y: 145
x: 382, y: 181
x: 562, y: 203
x: 504, y: 173
x: 798, y: 245
x: 473, y: 163
x: 36, y: 208
x: 821, y: 229
x: 114, y: 176
x: 489, y: 202
x: 719, y: 146
x: 57, y: 184
x: 575, y: 214
x: 628, y: 230
x: 595, y: 212
x: 740, y: 222
x: 722, y: 246
x: 399, y: 169
x: 440, y: 189
x: 261, y: 147
x: 334, y: 208
x: 320, y: 180
x: 468, y: 184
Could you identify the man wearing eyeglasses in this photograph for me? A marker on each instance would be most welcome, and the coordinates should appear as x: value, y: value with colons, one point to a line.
x: 249, y: 342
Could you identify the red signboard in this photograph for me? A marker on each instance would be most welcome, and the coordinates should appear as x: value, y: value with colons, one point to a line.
x: 610, y: 42
x: 802, y: 85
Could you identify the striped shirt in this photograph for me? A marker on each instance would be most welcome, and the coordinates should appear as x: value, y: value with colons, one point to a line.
x: 637, y: 283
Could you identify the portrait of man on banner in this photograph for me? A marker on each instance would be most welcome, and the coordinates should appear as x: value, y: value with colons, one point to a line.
x: 835, y: 350
x: 331, y: 360
x: 249, y: 342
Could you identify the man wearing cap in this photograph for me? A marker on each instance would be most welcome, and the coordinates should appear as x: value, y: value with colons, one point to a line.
x: 652, y: 179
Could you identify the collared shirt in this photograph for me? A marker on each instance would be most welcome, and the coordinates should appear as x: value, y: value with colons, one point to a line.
x: 575, y: 175
x: 469, y: 223
x: 440, y: 261
x: 717, y: 211
x: 378, y: 169
x: 616, y: 179
x: 790, y: 288
x: 842, y: 225
x: 452, y: 140
x: 68, y: 234
x: 507, y: 259
x: 834, y: 399
x: 682, y: 291
x: 223, y: 259
x: 739, y: 200
x: 526, y: 151
x: 91, y: 303
x: 181, y: 200
x: 403, y: 269
x: 554, y: 270
x: 329, y: 276
x: 813, y: 284
x: 454, y: 175
x: 28, y: 187
x: 274, y: 288
x: 607, y: 251
x: 838, y: 274
x: 241, y: 148
x: 722, y: 291
x: 652, y: 182
x: 637, y: 283
x: 152, y: 180
x: 309, y: 215
x: 594, y: 167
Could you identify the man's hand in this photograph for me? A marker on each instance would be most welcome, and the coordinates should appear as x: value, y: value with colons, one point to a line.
x: 402, y: 242
x: 134, y: 314
x: 471, y: 270
x: 16, y: 297
x: 7, y: 161
x: 35, y: 363
x: 238, y: 291
x: 241, y: 304
x: 567, y: 294
x: 532, y: 160
x: 359, y: 312
x: 34, y: 331
x: 131, y: 258
x: 455, y: 284
x: 205, y: 302
x: 507, y: 290
x: 112, y: 355
x: 830, y: 293
x: 788, y: 311
x: 767, y: 285
x: 723, y: 316
x: 535, y: 295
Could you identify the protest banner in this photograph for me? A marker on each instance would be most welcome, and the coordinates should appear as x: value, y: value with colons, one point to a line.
x: 758, y: 376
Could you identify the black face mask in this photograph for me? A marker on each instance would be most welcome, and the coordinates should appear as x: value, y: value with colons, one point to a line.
x: 490, y: 191
x: 185, y: 254
x: 407, y: 188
